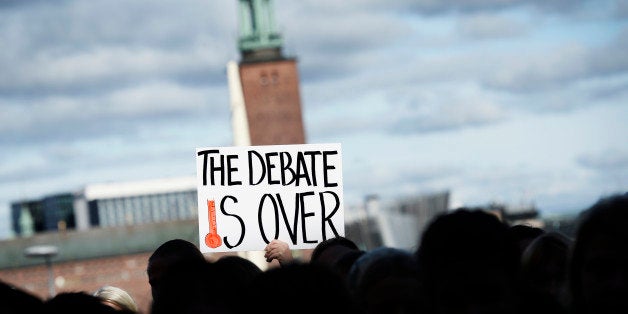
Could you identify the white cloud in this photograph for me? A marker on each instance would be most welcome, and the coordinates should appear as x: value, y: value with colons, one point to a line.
x: 80, y: 70
x: 489, y: 26
x: 445, y: 108
x: 111, y: 114
x: 83, y: 45
x: 559, y: 65
x: 542, y: 70
x: 612, y: 159
x: 155, y: 98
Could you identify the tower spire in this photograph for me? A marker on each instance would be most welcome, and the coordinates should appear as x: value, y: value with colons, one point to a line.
x: 259, y: 39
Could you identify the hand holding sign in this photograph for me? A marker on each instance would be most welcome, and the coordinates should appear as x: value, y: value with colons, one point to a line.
x: 278, y: 250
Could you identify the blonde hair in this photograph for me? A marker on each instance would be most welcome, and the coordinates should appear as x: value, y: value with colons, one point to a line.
x: 116, y: 298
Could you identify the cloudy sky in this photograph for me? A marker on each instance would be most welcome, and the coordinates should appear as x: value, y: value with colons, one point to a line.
x: 511, y: 101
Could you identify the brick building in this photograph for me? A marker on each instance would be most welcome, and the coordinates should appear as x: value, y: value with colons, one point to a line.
x: 89, y: 259
x: 126, y: 271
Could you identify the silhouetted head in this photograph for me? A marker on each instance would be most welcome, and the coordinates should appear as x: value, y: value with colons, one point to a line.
x: 338, y: 253
x: 117, y: 298
x: 298, y: 288
x: 523, y: 235
x: 599, y: 264
x: 239, y: 269
x: 14, y: 300
x: 468, y: 263
x: 328, y: 250
x: 384, y: 280
x: 79, y: 303
x: 544, y: 272
x: 171, y: 260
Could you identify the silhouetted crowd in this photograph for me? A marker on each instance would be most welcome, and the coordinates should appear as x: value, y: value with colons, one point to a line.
x: 467, y: 261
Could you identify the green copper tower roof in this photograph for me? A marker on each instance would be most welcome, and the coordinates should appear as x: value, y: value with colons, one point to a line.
x: 259, y: 38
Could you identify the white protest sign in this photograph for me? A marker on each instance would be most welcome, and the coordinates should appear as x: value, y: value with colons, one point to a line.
x: 250, y: 195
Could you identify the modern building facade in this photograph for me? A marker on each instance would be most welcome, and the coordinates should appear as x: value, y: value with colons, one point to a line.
x: 108, y: 205
x: 51, y: 213
x: 136, y: 203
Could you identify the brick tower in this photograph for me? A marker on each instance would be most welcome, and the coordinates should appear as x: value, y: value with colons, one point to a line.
x: 264, y: 84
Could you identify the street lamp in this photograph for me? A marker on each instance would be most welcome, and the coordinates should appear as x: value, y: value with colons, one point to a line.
x: 46, y: 252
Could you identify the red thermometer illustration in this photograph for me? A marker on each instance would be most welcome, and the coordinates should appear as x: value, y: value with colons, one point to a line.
x: 212, y: 239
